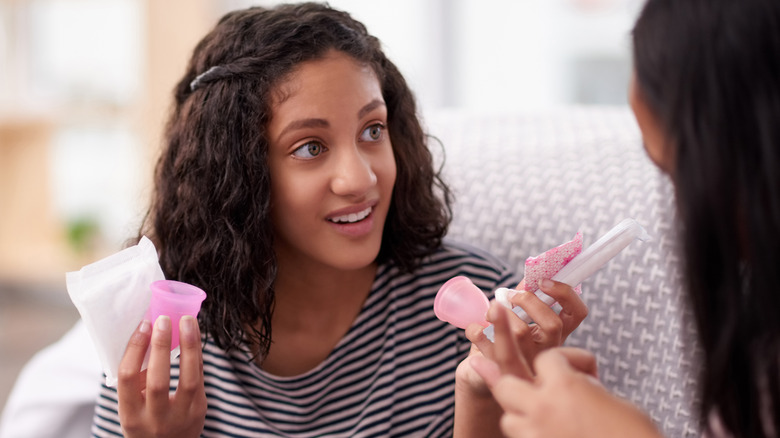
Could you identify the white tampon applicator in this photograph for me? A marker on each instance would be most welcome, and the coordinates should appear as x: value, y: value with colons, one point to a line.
x: 583, y: 265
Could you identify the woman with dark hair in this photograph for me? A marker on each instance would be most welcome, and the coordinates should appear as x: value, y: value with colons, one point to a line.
x: 296, y: 188
x: 706, y: 95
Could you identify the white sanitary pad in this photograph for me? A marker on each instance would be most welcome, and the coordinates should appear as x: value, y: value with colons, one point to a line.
x: 112, y: 296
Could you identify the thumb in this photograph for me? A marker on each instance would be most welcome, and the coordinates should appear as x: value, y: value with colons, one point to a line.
x: 564, y: 361
x: 581, y: 360
x: 552, y: 363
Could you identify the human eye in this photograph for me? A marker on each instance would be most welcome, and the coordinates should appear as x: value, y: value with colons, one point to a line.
x: 309, y: 150
x: 372, y: 133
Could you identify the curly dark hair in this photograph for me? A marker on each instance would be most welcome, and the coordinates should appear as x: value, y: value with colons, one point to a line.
x: 209, y: 214
x: 710, y: 71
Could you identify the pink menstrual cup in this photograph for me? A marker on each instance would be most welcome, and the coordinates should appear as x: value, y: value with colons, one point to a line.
x: 174, y: 299
x: 460, y: 303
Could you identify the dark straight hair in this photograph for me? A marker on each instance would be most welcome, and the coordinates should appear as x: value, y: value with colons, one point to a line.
x: 710, y: 71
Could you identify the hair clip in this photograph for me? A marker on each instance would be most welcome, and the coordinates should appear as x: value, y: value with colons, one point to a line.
x: 198, y: 79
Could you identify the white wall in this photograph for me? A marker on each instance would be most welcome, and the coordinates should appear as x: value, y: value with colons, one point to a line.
x: 502, y: 54
x: 476, y: 54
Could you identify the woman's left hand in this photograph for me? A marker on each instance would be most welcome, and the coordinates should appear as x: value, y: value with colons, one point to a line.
x: 146, y: 406
x: 548, y: 330
x: 476, y: 411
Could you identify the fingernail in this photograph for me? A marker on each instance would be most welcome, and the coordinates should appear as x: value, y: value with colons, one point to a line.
x: 145, y: 327
x: 493, y: 312
x: 518, y: 295
x: 546, y: 284
x: 163, y: 323
x: 187, y: 325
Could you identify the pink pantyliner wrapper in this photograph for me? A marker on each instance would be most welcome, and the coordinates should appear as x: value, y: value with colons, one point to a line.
x: 546, y: 265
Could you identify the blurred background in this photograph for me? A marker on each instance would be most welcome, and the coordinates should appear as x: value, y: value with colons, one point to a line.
x: 85, y: 87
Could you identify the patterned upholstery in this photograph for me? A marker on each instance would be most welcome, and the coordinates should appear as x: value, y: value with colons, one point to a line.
x: 527, y: 182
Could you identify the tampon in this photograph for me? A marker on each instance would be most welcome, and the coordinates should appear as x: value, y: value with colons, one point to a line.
x: 587, y: 263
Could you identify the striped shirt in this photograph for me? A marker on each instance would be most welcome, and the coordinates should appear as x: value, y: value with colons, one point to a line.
x: 393, y: 373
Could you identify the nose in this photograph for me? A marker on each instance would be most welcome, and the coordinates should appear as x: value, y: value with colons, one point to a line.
x: 353, y: 173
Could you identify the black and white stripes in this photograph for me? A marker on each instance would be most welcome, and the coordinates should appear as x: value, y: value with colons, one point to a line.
x: 392, y: 374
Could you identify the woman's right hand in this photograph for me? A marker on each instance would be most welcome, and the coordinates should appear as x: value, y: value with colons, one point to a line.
x: 549, y: 329
x: 563, y: 398
x: 146, y: 406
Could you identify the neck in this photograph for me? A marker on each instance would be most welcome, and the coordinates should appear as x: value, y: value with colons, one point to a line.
x: 314, y: 309
x: 319, y: 287
x: 314, y: 297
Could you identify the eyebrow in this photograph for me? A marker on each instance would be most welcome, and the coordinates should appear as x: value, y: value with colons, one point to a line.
x: 370, y: 106
x: 322, y: 123
x: 302, y: 124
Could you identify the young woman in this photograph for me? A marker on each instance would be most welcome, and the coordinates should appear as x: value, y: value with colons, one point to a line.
x: 706, y: 94
x: 296, y: 188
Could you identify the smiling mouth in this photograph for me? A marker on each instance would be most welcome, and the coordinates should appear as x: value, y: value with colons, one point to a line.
x: 352, y: 217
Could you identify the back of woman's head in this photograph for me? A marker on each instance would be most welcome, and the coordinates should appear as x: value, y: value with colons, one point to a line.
x: 210, y: 212
x: 710, y: 71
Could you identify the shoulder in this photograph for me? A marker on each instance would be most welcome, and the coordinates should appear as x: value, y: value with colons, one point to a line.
x: 456, y: 248
x: 453, y: 259
x: 470, y: 259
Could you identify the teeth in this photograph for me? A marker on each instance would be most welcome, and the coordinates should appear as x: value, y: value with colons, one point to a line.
x: 352, y: 217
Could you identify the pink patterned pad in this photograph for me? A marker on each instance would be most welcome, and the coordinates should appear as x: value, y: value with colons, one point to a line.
x: 547, y: 264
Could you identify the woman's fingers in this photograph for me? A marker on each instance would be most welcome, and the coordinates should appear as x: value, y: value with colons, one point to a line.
x: 517, y: 395
x: 573, y: 309
x: 508, y: 329
x: 548, y: 326
x: 129, y: 380
x: 512, y: 424
x: 487, y: 369
x: 158, y: 380
x: 516, y: 343
x: 190, y: 393
x: 553, y: 328
x: 581, y: 360
x: 506, y: 352
x: 513, y: 394
x: 474, y: 333
x: 147, y: 407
